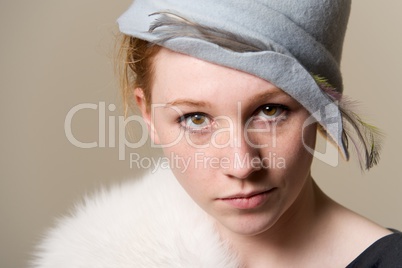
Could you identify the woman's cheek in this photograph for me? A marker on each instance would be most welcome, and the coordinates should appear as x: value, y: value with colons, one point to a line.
x: 290, y: 143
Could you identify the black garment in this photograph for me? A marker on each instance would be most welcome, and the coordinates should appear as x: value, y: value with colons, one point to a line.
x: 384, y: 253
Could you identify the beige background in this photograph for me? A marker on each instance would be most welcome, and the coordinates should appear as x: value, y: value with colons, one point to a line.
x: 57, y: 54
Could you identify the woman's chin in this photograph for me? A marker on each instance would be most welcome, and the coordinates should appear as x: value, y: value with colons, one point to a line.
x: 246, y: 225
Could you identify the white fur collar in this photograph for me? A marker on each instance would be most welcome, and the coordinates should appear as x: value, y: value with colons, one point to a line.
x: 150, y: 222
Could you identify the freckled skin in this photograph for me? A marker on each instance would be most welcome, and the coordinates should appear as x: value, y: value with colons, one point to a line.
x: 231, y: 93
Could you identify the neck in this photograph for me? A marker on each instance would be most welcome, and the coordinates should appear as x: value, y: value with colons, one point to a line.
x: 288, y: 236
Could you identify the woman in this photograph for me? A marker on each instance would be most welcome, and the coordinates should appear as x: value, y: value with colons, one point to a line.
x: 234, y: 92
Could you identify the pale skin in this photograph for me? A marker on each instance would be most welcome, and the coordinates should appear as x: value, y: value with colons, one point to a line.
x: 222, y: 114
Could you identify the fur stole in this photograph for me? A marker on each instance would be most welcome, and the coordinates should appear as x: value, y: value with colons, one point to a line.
x: 148, y: 222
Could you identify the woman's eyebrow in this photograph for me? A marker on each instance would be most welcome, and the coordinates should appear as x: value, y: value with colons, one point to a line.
x: 188, y: 102
x: 197, y: 103
x: 266, y: 95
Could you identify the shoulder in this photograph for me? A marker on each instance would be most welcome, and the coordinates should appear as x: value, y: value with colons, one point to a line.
x: 347, y: 234
x: 385, y: 252
x: 149, y: 222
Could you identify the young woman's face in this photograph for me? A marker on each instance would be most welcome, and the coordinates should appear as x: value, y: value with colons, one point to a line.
x: 234, y: 140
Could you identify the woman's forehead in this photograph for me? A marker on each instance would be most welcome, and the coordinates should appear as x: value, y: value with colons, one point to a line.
x: 172, y: 65
x: 188, y: 77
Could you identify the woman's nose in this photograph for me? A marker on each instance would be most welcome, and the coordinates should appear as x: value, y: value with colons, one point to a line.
x: 245, y: 159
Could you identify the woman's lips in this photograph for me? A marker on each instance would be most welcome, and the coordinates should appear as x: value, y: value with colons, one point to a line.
x: 247, y: 201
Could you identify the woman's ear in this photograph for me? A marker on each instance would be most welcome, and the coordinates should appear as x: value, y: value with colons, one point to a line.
x: 146, y: 113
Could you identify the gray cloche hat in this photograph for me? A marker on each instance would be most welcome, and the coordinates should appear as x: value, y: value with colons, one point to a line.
x: 286, y: 42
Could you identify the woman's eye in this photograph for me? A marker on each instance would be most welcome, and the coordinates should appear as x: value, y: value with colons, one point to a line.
x: 271, y: 111
x: 195, y: 121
